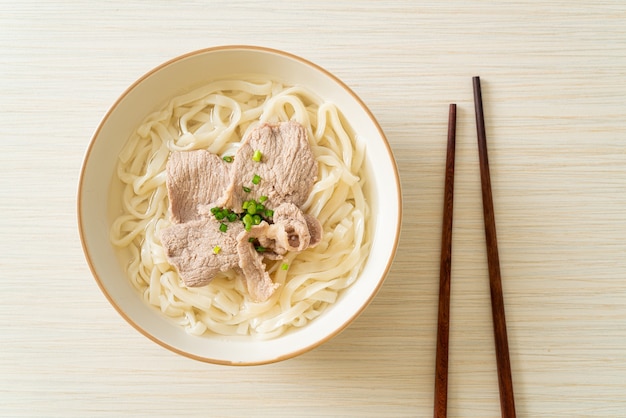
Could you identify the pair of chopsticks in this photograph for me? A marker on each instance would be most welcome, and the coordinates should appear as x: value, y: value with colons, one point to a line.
x: 505, y: 384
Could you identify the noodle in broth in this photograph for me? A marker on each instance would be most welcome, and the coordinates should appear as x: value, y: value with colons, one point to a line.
x: 217, y: 117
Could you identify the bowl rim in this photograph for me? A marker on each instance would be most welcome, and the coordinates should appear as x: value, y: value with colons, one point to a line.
x: 259, y: 49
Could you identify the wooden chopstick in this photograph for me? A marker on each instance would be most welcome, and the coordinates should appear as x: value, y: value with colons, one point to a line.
x: 443, y: 322
x: 505, y: 382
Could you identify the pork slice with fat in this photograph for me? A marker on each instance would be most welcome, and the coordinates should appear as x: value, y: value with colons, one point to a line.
x: 258, y: 282
x: 292, y: 230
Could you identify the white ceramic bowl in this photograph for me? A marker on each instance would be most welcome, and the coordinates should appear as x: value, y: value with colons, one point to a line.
x: 154, y: 89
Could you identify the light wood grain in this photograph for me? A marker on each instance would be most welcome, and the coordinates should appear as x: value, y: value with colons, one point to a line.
x: 552, y: 76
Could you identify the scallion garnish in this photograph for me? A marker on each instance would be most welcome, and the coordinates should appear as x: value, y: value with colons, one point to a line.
x: 284, y: 266
x: 246, y: 189
x: 256, y: 179
x: 257, y: 156
x: 247, y: 221
x: 216, y: 249
x: 254, y: 212
x: 251, y: 208
x: 228, y: 158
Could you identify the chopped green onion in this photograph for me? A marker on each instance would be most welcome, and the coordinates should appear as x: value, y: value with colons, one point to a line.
x: 228, y: 158
x: 284, y: 266
x: 257, y: 156
x: 256, y: 179
x: 260, y: 249
x: 246, y: 189
x: 216, y: 249
x: 247, y: 221
x: 223, y: 213
x: 254, y: 212
x: 223, y: 227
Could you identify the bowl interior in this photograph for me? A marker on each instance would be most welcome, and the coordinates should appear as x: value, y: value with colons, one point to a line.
x: 151, y: 92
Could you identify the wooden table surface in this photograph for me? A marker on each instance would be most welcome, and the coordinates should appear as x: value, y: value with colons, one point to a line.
x: 554, y: 84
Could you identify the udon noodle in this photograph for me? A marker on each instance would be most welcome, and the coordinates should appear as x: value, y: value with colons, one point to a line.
x: 217, y: 117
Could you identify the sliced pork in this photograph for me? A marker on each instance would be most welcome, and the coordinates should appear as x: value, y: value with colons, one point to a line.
x: 194, y: 179
x: 199, y: 249
x: 286, y: 171
x: 259, y: 284
x: 291, y: 230
x: 274, y: 164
